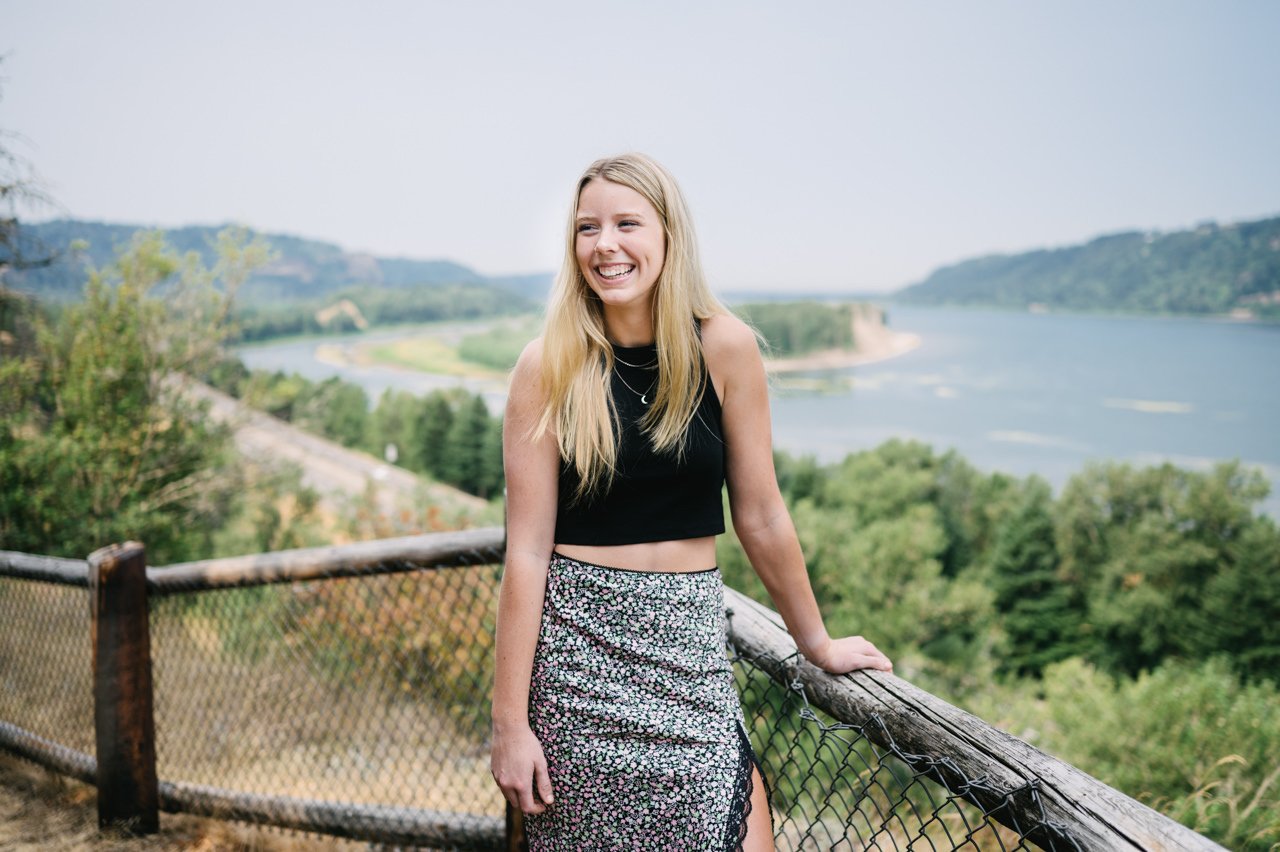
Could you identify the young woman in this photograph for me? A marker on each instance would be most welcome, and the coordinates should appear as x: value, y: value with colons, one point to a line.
x: 616, y: 724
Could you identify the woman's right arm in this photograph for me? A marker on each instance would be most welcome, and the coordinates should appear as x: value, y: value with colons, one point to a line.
x: 531, y: 469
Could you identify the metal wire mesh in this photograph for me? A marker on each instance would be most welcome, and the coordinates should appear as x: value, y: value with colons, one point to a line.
x: 834, y: 788
x: 366, y: 690
x: 371, y: 692
x: 46, y: 675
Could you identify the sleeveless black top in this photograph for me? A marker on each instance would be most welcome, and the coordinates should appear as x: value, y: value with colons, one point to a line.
x: 654, y: 496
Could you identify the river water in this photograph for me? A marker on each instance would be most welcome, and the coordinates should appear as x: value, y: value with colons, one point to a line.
x: 1017, y: 392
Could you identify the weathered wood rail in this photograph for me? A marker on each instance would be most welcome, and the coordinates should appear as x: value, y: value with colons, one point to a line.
x: 951, y: 746
x: 1050, y: 803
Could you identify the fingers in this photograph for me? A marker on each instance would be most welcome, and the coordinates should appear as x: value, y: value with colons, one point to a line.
x: 531, y: 795
x: 528, y: 802
x: 853, y: 653
x: 542, y: 781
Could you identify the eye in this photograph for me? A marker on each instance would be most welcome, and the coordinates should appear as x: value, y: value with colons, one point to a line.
x: 585, y: 227
x: 627, y: 223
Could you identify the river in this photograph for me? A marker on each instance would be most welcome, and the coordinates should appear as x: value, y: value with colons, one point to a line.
x: 1017, y: 392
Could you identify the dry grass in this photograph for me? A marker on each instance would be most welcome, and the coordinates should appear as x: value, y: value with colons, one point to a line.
x: 43, y: 811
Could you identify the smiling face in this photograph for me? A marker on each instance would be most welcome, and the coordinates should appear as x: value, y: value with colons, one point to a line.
x: 620, y: 244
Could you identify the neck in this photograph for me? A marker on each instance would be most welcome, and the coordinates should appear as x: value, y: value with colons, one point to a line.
x: 629, y: 328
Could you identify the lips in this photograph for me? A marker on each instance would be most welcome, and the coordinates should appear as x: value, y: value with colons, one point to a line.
x: 615, y: 270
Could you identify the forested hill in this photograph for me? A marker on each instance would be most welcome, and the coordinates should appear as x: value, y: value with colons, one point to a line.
x: 1211, y: 269
x: 303, y: 269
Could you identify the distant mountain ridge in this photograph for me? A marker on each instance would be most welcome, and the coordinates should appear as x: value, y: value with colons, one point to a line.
x: 304, y: 269
x: 1206, y: 270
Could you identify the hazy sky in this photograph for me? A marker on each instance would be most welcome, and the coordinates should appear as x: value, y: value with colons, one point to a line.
x: 822, y: 145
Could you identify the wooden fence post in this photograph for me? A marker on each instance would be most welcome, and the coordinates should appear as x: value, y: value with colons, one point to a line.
x: 128, y: 795
x: 515, y: 831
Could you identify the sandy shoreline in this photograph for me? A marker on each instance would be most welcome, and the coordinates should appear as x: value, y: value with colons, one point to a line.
x: 880, y: 347
x: 876, y: 342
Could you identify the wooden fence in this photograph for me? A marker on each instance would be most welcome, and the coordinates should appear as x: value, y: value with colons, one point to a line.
x: 1043, y: 801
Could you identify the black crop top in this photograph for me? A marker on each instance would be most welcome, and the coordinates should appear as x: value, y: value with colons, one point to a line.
x: 653, y: 496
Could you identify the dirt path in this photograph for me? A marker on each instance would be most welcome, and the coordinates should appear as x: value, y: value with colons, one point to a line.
x: 338, y: 474
x: 41, y: 811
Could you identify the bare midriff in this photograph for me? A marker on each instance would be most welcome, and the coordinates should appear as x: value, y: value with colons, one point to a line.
x: 668, y: 557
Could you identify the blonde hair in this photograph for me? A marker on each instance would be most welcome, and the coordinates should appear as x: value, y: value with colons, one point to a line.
x: 577, y: 357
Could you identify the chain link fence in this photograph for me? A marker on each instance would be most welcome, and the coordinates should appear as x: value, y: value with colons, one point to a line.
x: 46, y: 685
x: 346, y: 691
x: 833, y: 788
x: 366, y: 690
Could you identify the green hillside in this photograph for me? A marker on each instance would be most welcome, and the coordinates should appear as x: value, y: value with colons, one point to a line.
x: 303, y: 269
x: 1211, y: 269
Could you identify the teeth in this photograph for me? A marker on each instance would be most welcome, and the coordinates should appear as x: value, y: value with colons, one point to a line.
x: 616, y: 271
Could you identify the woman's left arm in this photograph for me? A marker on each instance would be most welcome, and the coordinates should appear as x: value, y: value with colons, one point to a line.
x: 760, y: 516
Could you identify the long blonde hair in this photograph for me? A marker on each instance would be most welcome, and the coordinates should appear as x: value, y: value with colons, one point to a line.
x: 577, y: 357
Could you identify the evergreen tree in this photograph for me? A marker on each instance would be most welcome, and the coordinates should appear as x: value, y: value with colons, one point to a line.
x: 103, y: 445
x: 1038, y: 612
x: 393, y: 423
x: 337, y: 409
x: 464, y: 446
x: 1240, y: 616
x: 491, y: 474
x: 430, y: 440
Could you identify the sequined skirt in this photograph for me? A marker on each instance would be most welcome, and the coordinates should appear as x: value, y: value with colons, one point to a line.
x: 633, y: 699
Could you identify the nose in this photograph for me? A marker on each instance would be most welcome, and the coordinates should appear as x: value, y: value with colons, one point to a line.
x: 606, y: 242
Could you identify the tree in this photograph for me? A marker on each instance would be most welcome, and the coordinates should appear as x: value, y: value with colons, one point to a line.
x: 20, y: 186
x: 430, y: 439
x: 392, y: 425
x: 491, y: 474
x: 337, y: 409
x: 461, y: 465
x: 1145, y: 546
x: 105, y: 445
x: 1039, y: 614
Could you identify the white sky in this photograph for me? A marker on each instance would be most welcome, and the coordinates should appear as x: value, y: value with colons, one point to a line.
x: 822, y: 145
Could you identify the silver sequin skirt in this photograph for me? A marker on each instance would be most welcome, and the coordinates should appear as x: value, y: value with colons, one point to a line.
x: 633, y: 699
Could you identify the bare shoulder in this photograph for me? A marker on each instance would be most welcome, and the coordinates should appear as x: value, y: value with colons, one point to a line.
x: 728, y: 342
x: 525, y: 387
x: 530, y: 357
x: 528, y: 370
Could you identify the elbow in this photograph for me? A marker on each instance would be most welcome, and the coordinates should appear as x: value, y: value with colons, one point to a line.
x: 761, y: 523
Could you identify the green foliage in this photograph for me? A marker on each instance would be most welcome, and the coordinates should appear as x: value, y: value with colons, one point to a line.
x: 306, y: 270
x: 447, y: 435
x: 465, y: 444
x: 793, y: 328
x: 1190, y: 740
x: 103, y: 445
x: 954, y: 570
x: 336, y: 409
x: 1240, y: 612
x: 1041, y: 617
x: 1210, y: 269
x: 430, y: 442
x: 498, y: 348
x: 380, y: 306
x: 1144, y: 545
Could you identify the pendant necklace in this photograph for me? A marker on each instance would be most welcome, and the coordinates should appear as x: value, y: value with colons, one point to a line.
x: 644, y: 397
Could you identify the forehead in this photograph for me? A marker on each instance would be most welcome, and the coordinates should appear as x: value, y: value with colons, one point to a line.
x: 602, y: 198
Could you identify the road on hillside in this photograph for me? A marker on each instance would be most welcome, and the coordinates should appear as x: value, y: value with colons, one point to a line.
x: 338, y: 474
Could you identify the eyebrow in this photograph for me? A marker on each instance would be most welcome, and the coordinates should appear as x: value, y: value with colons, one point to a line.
x: 623, y: 215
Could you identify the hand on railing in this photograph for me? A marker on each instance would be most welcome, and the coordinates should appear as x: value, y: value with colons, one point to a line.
x: 848, y: 654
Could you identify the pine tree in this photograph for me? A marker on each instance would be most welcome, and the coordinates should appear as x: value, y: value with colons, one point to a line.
x: 431, y: 435
x: 464, y: 445
x: 491, y: 475
x: 1038, y: 612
